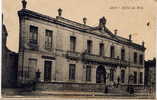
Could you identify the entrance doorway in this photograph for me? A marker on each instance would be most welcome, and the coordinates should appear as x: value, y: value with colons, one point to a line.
x: 101, y: 74
x: 47, y: 71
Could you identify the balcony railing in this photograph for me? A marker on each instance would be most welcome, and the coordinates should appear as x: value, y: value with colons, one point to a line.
x: 33, y: 46
x: 95, y: 58
x: 103, y: 59
x: 73, y: 55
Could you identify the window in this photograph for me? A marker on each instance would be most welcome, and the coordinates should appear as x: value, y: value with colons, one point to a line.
x: 141, y: 78
x: 72, y: 43
x: 122, y: 54
x: 33, y: 34
x: 111, y: 75
x: 101, y: 49
x: 89, y: 46
x: 88, y: 73
x: 141, y: 59
x: 72, y: 72
x: 135, y: 57
x: 32, y: 64
x: 47, y: 70
x: 48, y: 39
x: 122, y: 76
x: 112, y: 51
x: 135, y: 77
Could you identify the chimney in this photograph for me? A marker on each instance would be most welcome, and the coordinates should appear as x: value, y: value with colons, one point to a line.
x: 115, y: 31
x: 130, y: 36
x: 60, y: 12
x: 24, y: 3
x: 143, y: 43
x: 84, y: 20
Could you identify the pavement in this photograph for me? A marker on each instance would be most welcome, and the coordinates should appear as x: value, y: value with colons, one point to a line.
x: 18, y: 93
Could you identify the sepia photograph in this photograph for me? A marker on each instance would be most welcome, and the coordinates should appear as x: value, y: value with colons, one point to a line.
x: 79, y: 49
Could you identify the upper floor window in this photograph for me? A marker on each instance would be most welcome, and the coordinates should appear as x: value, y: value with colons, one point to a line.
x: 33, y: 34
x: 72, y: 72
x: 135, y: 77
x: 122, y: 54
x: 112, y: 52
x: 135, y: 57
x: 88, y: 73
x: 122, y: 76
x: 48, y: 39
x: 101, y: 49
x: 141, y: 59
x: 72, y: 43
x: 89, y: 46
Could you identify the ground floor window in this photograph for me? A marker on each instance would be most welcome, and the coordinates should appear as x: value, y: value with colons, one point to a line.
x: 122, y: 76
x: 111, y: 75
x: 135, y: 77
x: 72, y: 71
x: 30, y: 73
x: 88, y: 73
x: 141, y: 78
x: 47, y: 70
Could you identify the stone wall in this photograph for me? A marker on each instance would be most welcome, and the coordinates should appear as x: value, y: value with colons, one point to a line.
x: 70, y: 86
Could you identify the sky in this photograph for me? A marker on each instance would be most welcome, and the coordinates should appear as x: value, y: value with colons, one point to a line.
x: 127, y: 16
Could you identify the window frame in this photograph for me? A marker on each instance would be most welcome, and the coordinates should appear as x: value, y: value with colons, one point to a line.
x: 123, y: 76
x: 88, y: 73
x: 101, y: 49
x: 112, y: 51
x: 72, y: 71
x: 135, y: 57
x: 33, y: 38
x: 123, y: 54
x: 89, y: 46
x: 72, y: 43
x: 48, y: 39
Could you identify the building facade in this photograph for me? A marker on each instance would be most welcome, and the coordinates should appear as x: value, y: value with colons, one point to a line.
x: 150, y: 73
x: 66, y: 52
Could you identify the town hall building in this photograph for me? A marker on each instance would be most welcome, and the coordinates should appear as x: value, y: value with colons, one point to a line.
x: 61, y: 54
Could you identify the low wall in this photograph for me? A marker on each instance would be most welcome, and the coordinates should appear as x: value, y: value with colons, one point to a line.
x: 70, y: 86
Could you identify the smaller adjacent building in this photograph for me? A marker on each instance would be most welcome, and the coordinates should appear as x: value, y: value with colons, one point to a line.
x: 9, y: 63
x: 150, y: 73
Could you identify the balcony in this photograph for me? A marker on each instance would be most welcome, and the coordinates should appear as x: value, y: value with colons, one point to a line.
x: 103, y: 59
x: 73, y: 55
x: 33, y: 46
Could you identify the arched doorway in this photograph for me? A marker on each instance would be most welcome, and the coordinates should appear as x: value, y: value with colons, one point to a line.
x: 100, y: 74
